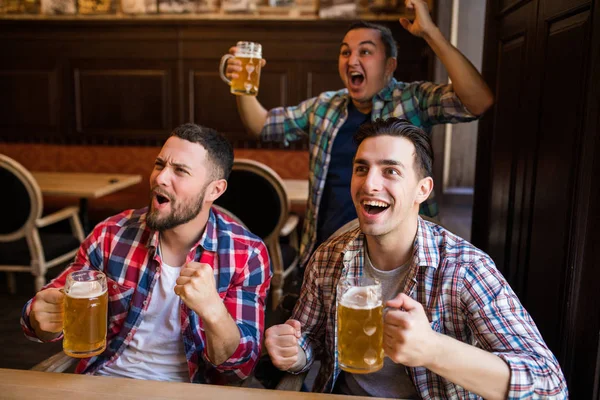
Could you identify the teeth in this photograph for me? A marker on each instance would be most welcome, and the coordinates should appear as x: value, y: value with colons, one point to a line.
x: 355, y: 74
x: 374, y: 203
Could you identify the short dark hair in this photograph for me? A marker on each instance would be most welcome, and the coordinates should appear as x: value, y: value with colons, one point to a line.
x: 391, y: 49
x: 402, y: 128
x: 219, y: 150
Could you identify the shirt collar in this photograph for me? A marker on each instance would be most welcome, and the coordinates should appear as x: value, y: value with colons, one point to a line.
x: 386, y: 94
x: 354, y: 246
x: 425, y: 252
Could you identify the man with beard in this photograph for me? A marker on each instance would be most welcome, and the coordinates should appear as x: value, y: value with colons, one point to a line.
x: 186, y: 284
x: 366, y: 65
x: 452, y: 329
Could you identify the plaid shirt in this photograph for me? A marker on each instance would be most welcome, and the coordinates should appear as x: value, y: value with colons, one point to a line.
x: 424, y: 104
x: 125, y: 249
x: 464, y: 297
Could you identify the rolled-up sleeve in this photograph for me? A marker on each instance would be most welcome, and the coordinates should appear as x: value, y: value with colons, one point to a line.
x: 288, y: 124
x: 245, y: 301
x: 434, y: 104
x: 503, y: 327
x: 309, y: 311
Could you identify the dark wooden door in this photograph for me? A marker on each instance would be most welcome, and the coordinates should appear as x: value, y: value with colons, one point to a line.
x: 536, y: 190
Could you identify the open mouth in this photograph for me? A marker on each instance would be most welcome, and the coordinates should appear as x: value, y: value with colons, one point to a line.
x: 161, y: 199
x: 356, y: 78
x: 374, y: 207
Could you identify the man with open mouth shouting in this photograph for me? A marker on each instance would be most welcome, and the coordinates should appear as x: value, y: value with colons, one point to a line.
x: 186, y: 284
x: 366, y: 64
x: 452, y: 328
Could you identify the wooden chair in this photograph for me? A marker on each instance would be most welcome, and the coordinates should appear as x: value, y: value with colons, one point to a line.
x: 257, y: 195
x: 24, y: 247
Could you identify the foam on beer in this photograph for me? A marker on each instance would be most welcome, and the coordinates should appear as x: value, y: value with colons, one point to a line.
x: 361, y: 298
x: 247, y: 54
x: 85, y: 290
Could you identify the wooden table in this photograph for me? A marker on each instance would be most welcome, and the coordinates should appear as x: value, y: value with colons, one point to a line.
x: 297, y: 190
x: 84, y: 186
x: 25, y: 384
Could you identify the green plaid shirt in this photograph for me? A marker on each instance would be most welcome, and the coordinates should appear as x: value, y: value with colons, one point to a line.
x: 422, y: 103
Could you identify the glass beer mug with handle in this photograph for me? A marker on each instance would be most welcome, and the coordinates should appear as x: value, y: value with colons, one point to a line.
x: 359, y: 325
x: 250, y: 55
x: 85, y: 314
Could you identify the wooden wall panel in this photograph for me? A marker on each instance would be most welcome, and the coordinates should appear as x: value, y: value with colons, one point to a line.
x: 511, y: 88
x: 559, y: 140
x: 320, y: 78
x: 128, y: 82
x: 278, y: 85
x: 210, y: 103
x: 29, y: 100
x: 122, y: 101
x: 536, y: 190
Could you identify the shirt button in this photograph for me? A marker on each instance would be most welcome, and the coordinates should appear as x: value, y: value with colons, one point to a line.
x: 157, y: 269
x: 115, y: 287
x: 145, y: 302
x: 129, y: 334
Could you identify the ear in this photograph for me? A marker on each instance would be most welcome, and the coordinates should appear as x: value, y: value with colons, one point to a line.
x: 424, y: 188
x: 390, y: 66
x: 214, y: 190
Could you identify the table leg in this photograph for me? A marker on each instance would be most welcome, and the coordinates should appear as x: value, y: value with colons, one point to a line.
x: 83, y: 215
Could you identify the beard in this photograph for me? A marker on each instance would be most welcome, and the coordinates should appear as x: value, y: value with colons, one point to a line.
x: 179, y: 215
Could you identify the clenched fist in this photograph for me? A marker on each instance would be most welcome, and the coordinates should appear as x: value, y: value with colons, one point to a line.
x: 197, y: 288
x: 281, y: 342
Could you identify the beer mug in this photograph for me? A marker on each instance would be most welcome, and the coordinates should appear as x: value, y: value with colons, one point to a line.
x: 360, y: 325
x: 250, y: 54
x: 85, y: 314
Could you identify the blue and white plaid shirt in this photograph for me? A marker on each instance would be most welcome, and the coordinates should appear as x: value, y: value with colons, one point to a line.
x: 464, y: 296
x: 424, y: 104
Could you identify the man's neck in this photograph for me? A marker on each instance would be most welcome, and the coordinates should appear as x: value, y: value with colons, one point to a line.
x: 176, y: 243
x: 394, y: 249
x: 364, y: 107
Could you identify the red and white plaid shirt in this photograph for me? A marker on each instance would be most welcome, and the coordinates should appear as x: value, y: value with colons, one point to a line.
x: 464, y: 297
x: 125, y: 249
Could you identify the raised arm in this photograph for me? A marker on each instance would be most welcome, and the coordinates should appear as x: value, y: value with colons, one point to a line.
x: 466, y: 80
x: 252, y: 113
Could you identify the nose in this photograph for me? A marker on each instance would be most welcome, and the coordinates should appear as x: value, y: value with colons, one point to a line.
x: 353, y: 58
x: 372, y: 182
x: 161, y: 177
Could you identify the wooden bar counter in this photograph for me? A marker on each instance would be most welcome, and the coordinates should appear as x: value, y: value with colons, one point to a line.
x: 25, y: 384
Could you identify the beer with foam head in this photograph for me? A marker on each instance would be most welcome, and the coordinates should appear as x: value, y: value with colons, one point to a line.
x: 359, y: 325
x: 247, y: 82
x: 85, y: 314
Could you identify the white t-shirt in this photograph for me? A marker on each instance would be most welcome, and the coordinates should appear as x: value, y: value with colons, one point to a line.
x: 156, y: 350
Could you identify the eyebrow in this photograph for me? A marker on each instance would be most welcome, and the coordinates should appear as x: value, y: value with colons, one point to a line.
x: 362, y: 161
x: 360, y: 44
x: 177, y: 165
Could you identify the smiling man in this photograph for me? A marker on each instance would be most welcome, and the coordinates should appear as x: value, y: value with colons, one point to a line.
x: 453, y: 328
x: 366, y: 64
x: 186, y: 284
